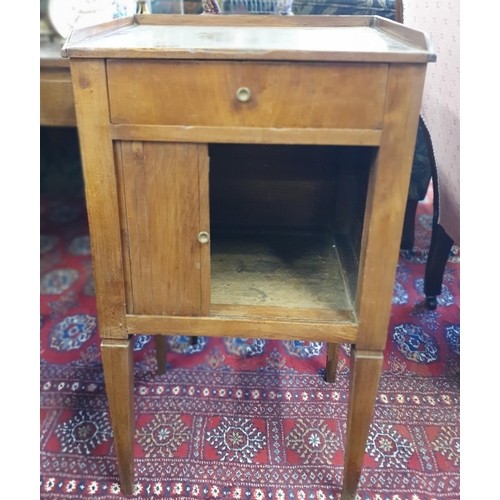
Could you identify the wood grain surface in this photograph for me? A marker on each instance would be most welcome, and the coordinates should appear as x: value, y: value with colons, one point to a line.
x: 91, y: 101
x: 284, y: 38
x: 305, y: 95
x: 161, y: 184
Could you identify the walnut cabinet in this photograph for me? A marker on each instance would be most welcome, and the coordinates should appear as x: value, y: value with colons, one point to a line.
x: 192, y: 234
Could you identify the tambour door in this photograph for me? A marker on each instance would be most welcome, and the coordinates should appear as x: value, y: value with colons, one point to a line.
x: 164, y: 211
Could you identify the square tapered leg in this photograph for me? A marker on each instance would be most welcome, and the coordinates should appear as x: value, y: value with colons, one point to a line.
x: 366, y: 367
x: 117, y: 359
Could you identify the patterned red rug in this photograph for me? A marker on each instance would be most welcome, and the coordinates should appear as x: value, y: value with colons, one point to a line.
x: 242, y: 418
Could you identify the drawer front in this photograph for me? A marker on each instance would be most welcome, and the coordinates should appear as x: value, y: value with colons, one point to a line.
x: 281, y: 95
x: 57, y: 104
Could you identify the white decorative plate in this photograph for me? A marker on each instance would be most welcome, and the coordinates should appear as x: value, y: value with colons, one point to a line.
x: 67, y: 15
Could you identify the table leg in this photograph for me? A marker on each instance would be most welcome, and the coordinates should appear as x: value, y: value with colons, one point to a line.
x: 332, y: 359
x: 366, y: 367
x: 117, y: 359
x: 161, y: 354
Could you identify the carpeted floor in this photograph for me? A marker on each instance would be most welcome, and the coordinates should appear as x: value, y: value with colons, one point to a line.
x: 244, y: 419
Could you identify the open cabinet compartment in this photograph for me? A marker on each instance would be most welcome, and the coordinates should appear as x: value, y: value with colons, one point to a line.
x: 286, y: 224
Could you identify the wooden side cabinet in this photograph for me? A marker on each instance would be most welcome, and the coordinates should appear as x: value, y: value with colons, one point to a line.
x: 191, y: 237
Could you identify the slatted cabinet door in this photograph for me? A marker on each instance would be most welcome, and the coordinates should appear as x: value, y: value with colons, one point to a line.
x: 163, y: 192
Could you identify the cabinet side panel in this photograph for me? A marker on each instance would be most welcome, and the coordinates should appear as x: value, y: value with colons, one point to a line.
x: 386, y: 203
x: 162, y: 196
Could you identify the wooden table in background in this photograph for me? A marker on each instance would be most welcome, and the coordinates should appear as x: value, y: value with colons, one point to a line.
x: 57, y: 104
x: 159, y: 99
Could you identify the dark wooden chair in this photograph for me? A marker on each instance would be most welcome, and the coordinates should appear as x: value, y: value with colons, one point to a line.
x: 441, y: 242
x: 441, y: 114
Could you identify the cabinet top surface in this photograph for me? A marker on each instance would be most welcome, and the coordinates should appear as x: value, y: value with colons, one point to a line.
x: 311, y: 38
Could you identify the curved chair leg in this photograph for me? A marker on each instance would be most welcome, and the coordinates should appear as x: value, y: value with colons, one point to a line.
x: 408, y: 237
x: 439, y: 252
x: 441, y: 243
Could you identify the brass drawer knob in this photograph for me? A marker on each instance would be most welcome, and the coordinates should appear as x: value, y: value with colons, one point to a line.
x: 243, y: 94
x: 203, y: 237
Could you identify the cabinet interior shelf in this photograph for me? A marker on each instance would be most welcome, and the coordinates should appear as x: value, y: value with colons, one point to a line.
x: 282, y: 274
